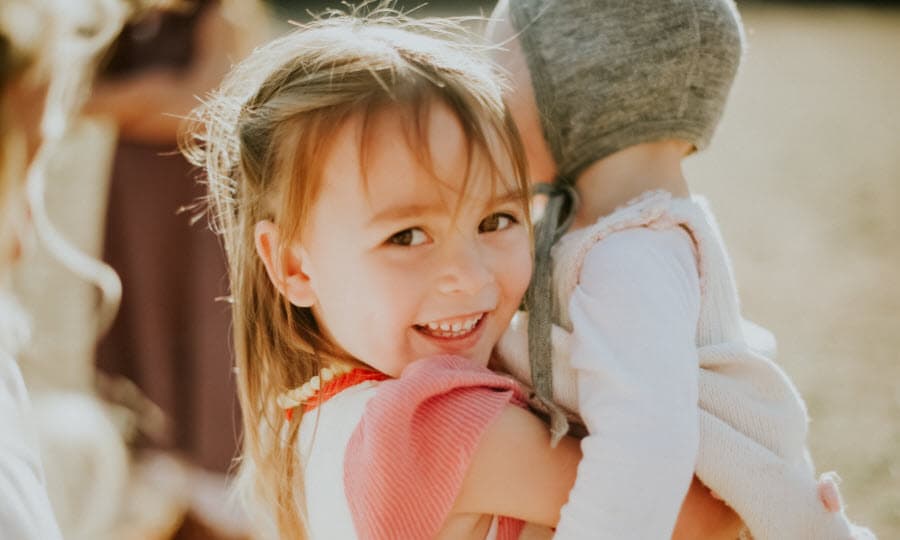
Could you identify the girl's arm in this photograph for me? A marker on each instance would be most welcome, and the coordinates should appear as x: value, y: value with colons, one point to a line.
x: 516, y: 473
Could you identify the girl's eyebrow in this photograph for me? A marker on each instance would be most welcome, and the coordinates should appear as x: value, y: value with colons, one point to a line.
x: 408, y: 211
x: 511, y: 196
x: 403, y: 212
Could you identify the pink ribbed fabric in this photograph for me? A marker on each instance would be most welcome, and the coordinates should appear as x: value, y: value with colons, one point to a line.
x: 406, y: 461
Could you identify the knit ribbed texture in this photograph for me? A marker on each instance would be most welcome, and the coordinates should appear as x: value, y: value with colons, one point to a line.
x: 407, y: 458
x: 611, y: 74
x: 753, y: 423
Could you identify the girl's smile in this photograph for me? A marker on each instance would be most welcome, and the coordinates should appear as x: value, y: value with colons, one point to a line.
x: 457, y: 335
x: 451, y: 328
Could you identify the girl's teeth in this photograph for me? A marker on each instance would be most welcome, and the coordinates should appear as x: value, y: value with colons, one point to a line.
x: 456, y: 329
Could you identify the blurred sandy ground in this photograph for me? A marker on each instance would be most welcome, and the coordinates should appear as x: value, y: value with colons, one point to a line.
x: 804, y: 175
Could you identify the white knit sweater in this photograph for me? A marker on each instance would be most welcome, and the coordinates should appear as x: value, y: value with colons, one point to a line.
x: 752, y: 422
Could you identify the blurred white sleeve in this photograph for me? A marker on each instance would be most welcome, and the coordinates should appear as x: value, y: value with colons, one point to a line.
x: 25, y: 511
x: 634, y: 316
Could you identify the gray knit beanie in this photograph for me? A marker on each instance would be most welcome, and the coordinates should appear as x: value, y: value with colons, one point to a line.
x: 611, y: 74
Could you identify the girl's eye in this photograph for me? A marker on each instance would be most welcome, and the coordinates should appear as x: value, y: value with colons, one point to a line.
x: 496, y: 222
x: 409, y: 237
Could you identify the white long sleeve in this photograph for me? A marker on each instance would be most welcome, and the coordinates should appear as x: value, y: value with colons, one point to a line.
x: 634, y: 318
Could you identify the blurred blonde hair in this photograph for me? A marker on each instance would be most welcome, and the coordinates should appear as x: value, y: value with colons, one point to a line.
x: 262, y: 139
x: 54, y: 45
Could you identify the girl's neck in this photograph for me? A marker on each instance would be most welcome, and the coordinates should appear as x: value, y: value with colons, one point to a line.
x: 616, y: 179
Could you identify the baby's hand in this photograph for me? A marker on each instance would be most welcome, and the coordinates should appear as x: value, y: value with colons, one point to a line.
x: 830, y: 496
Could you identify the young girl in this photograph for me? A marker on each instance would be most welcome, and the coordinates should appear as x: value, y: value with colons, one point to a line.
x: 369, y: 187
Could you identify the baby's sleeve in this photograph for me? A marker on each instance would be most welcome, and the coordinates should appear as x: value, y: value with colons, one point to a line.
x: 407, y: 459
x: 634, y: 318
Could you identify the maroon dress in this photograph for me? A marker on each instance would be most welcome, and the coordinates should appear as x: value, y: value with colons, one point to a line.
x: 171, y: 334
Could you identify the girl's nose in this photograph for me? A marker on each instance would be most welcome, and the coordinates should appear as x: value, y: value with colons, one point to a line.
x: 467, y: 270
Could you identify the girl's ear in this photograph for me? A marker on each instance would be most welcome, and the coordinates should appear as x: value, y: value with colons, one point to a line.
x: 284, y: 267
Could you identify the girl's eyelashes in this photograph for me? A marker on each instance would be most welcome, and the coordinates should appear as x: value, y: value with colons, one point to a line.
x: 413, y: 236
x: 497, y: 222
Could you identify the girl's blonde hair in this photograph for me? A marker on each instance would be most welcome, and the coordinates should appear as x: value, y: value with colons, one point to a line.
x: 262, y: 138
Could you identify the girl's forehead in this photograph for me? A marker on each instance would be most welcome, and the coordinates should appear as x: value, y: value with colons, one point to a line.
x: 401, y: 155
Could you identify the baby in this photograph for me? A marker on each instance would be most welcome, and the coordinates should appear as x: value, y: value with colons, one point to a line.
x: 609, y: 98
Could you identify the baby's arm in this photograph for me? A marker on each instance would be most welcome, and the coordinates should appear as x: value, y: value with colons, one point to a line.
x: 634, y: 317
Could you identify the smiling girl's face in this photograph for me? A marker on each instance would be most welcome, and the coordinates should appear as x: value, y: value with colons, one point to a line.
x: 400, y: 259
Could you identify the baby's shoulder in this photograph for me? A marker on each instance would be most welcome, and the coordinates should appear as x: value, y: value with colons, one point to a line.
x: 652, y: 210
x: 651, y: 231
x: 630, y: 247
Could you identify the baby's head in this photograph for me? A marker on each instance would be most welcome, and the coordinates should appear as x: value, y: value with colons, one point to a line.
x: 370, y: 190
x: 592, y: 78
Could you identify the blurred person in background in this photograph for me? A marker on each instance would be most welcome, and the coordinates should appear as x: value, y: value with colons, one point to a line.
x: 46, y: 52
x: 170, y: 337
x: 50, y: 48
x: 25, y: 511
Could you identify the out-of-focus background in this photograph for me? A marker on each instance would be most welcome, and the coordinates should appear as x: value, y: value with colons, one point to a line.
x: 804, y: 175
